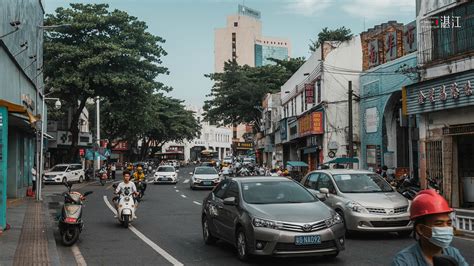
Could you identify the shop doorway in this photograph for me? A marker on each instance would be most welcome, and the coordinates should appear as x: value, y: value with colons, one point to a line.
x: 466, y: 169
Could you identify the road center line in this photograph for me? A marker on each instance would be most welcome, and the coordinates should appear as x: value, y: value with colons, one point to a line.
x: 145, y: 239
x: 198, y: 203
x: 78, y: 256
x: 177, y: 190
x: 184, y: 196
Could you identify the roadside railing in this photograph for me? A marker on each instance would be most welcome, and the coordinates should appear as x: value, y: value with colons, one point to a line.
x: 465, y: 221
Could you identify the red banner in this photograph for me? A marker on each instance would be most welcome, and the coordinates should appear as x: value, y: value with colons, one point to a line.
x: 311, y: 124
x: 309, y: 93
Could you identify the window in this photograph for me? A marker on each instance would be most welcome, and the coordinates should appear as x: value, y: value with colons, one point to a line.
x: 302, y: 102
x: 220, y: 190
x: 233, y: 191
x: 311, y: 181
x: 236, y: 24
x: 324, y: 181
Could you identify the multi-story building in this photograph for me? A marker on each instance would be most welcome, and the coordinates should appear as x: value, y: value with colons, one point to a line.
x: 315, y: 122
x: 242, y: 40
x: 218, y: 139
x: 443, y: 100
x: 269, y: 149
x: 387, y: 135
x: 21, y: 63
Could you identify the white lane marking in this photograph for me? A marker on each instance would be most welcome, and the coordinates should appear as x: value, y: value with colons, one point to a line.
x: 184, y: 196
x: 78, y: 256
x: 186, y: 181
x: 198, y: 203
x: 145, y: 239
x: 150, y: 181
x: 175, y: 187
x: 177, y: 190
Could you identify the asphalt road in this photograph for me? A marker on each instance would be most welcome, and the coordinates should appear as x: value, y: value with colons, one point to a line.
x: 169, y: 221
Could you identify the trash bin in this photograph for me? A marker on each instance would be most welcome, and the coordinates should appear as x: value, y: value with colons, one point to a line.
x: 468, y: 188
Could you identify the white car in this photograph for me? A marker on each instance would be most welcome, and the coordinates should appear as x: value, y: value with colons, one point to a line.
x: 228, y: 160
x: 204, y: 177
x: 64, y: 172
x: 166, y: 174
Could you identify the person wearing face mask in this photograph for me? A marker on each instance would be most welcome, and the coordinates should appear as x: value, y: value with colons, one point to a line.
x: 432, y: 229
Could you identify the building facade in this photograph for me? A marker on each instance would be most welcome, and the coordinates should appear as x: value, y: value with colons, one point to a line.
x: 21, y: 61
x: 388, y: 136
x: 442, y: 101
x: 242, y: 40
x: 315, y: 121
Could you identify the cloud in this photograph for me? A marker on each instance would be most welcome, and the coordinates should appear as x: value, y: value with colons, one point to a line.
x: 307, y: 7
x: 372, y: 9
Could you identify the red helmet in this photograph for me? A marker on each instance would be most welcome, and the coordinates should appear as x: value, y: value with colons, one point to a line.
x: 428, y: 202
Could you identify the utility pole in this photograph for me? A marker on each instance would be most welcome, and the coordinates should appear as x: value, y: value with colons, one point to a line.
x: 97, y: 104
x: 351, y: 140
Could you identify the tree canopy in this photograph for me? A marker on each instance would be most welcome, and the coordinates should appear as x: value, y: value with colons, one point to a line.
x: 239, y: 89
x: 340, y: 34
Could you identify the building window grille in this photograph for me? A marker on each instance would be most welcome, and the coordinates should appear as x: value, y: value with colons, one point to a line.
x: 434, y: 161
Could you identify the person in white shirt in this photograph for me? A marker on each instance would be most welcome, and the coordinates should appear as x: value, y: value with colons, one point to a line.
x: 125, y: 184
x: 33, y: 177
x: 113, y: 168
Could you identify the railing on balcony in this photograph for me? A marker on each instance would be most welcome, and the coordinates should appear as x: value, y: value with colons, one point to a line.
x: 447, y: 35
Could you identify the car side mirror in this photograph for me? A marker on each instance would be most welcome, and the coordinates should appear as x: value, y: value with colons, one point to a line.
x: 177, y: 171
x: 231, y: 201
x: 68, y: 170
x: 191, y: 173
x: 320, y: 196
x: 324, y: 191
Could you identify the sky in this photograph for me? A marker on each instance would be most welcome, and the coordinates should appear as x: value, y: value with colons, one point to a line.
x: 188, y: 28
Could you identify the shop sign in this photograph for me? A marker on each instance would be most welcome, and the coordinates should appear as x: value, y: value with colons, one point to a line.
x: 373, y: 153
x: 371, y: 120
x: 309, y: 93
x: 390, y: 46
x: 310, y: 124
x: 121, y: 146
x: 373, y: 53
x: 283, y: 130
x: 409, y: 37
x: 245, y: 145
x: 454, y: 91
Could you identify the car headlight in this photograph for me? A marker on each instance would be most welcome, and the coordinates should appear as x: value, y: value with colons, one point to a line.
x: 356, y: 207
x: 335, y: 219
x: 257, y: 222
x: 197, y: 180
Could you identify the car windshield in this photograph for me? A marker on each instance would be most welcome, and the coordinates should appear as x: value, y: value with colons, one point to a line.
x: 275, y: 192
x: 165, y: 169
x: 361, y: 183
x: 205, y: 171
x: 58, y: 168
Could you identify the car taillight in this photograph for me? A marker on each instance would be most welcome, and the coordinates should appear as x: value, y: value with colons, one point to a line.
x: 70, y: 220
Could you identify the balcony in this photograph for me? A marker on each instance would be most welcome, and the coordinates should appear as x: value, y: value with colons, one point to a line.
x: 450, y: 39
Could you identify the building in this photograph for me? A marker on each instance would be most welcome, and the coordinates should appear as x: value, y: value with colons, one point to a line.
x: 443, y: 100
x: 213, y: 138
x: 387, y: 135
x: 269, y: 149
x: 315, y: 121
x: 242, y: 40
x: 21, y: 61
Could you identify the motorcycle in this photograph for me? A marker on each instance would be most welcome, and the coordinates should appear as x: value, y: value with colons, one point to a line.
x: 141, y: 187
x: 126, y: 206
x: 102, y: 175
x: 70, y: 222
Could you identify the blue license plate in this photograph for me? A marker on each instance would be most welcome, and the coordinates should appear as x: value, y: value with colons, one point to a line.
x: 307, y: 240
x: 207, y: 183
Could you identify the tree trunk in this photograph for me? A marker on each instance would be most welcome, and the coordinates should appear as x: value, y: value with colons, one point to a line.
x: 74, y: 129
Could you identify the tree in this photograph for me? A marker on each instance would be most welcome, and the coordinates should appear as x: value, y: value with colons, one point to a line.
x: 102, y: 53
x: 239, y: 89
x: 340, y: 34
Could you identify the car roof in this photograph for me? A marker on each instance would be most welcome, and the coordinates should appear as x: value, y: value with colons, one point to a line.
x: 342, y: 171
x: 246, y: 179
x: 205, y: 167
x: 67, y: 164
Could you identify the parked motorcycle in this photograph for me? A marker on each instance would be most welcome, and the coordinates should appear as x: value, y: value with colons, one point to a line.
x: 70, y: 222
x: 126, y: 206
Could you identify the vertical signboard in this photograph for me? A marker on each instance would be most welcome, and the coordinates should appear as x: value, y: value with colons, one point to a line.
x: 309, y: 93
x: 390, y: 46
x: 373, y: 53
x: 409, y: 37
x: 3, y: 165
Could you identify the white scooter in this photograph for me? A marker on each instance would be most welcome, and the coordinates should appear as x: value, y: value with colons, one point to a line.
x: 126, y: 207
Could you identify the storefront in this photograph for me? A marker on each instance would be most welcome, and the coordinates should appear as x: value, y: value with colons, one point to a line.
x: 445, y: 110
x: 311, y: 130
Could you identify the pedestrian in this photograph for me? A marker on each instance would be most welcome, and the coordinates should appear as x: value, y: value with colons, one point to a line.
x: 432, y: 229
x: 33, y: 177
x: 113, y: 168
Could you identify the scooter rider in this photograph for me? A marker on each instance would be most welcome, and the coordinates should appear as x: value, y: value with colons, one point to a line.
x: 432, y: 229
x: 125, y: 184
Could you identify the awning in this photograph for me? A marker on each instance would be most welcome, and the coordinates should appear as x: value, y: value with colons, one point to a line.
x: 296, y: 164
x: 19, y: 109
x: 310, y: 150
x: 343, y: 160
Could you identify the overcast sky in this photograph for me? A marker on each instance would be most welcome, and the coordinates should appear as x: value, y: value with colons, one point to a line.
x: 188, y: 28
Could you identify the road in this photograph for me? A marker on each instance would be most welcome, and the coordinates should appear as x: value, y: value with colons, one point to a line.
x: 168, y: 229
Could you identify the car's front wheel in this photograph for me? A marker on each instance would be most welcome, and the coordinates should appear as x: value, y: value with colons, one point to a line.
x: 242, y: 248
x: 209, y: 239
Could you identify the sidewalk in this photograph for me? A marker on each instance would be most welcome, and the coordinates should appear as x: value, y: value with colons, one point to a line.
x: 30, y: 240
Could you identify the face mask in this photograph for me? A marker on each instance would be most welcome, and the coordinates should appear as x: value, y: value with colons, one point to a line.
x: 441, y: 236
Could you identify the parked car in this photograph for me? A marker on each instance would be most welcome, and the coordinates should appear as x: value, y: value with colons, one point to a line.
x: 228, y: 160
x: 364, y: 199
x: 64, y: 173
x: 271, y: 216
x: 204, y: 177
x: 166, y: 174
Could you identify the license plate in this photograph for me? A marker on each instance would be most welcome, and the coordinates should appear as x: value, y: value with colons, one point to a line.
x: 206, y: 183
x: 307, y: 240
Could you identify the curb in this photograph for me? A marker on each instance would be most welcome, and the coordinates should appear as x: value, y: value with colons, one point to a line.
x: 52, y: 247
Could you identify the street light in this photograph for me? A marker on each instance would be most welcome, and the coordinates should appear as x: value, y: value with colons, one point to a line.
x: 57, y: 106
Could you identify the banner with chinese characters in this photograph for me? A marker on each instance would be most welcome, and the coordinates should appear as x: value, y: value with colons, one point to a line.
x: 311, y: 124
x: 449, y: 92
x: 309, y: 93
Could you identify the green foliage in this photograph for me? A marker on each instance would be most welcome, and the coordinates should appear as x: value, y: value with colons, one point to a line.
x: 239, y: 89
x: 340, y: 34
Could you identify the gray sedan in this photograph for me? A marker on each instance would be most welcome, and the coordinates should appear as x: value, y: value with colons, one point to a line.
x: 271, y: 216
x: 365, y: 200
